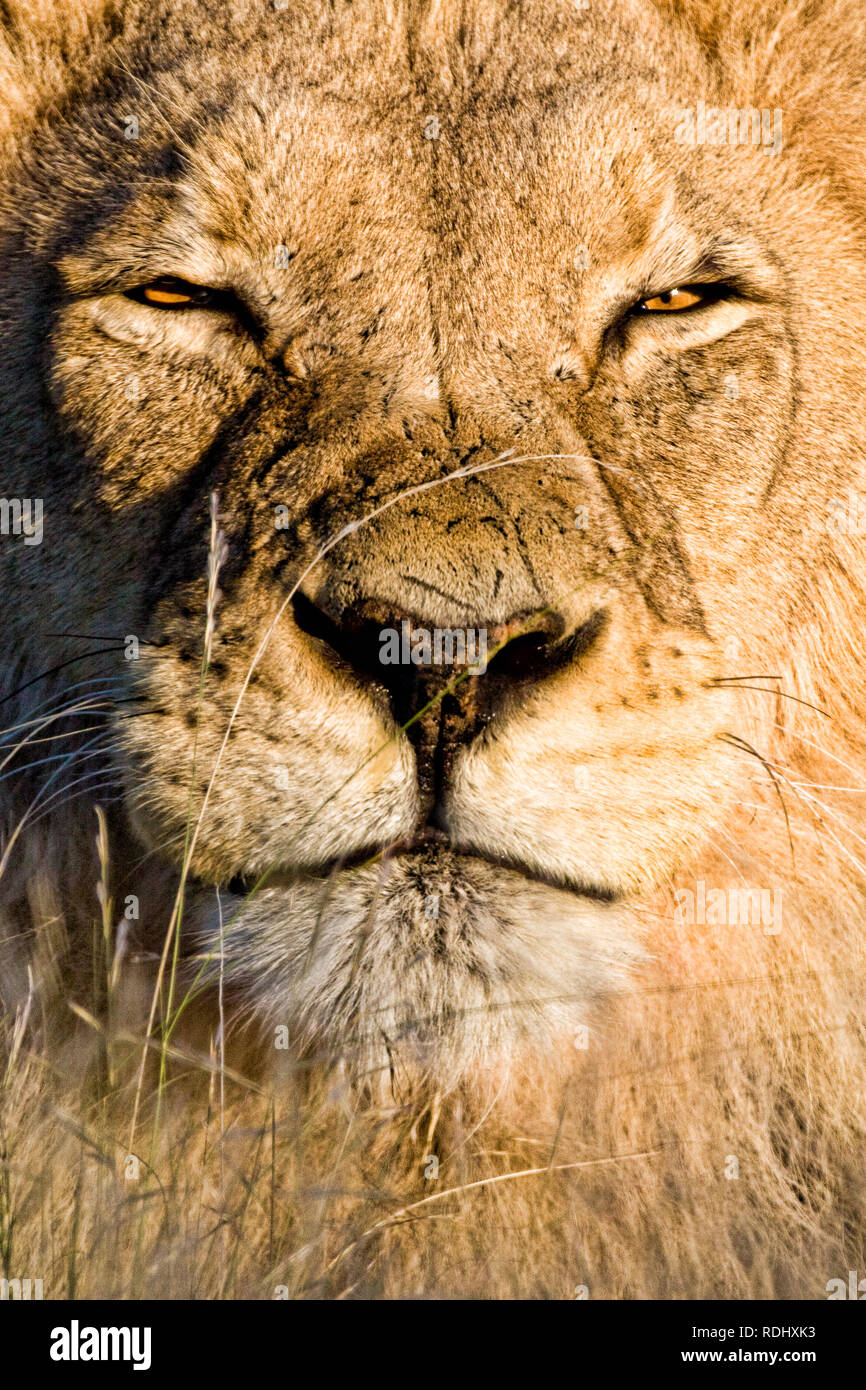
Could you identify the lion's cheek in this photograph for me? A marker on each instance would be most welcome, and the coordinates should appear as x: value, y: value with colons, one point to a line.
x: 614, y: 814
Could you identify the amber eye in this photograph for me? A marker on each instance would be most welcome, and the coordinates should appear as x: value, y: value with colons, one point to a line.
x: 170, y: 293
x: 674, y: 301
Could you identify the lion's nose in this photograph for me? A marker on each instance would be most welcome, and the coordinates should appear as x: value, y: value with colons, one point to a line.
x: 445, y: 685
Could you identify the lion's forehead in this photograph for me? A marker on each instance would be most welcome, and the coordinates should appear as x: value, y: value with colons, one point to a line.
x: 392, y: 116
x: 373, y: 53
x: 588, y: 162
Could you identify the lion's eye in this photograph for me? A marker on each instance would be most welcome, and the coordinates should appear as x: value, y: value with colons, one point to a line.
x: 675, y: 301
x: 170, y: 293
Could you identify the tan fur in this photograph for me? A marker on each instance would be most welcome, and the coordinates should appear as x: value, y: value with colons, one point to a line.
x: 424, y: 306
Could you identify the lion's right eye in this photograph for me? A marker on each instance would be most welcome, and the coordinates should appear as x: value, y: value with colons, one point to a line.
x: 171, y: 293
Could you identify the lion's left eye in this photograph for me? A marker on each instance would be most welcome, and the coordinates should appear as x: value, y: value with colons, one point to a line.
x: 675, y: 301
x: 171, y: 293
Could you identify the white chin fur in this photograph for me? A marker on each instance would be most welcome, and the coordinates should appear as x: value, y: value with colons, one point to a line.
x: 442, y: 960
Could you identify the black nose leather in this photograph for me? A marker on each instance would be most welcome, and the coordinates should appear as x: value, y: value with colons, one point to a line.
x: 444, y: 685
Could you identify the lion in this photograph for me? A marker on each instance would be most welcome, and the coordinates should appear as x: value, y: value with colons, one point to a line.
x: 532, y: 330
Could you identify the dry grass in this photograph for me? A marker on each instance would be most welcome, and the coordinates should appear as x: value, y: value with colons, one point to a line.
x: 608, y: 1172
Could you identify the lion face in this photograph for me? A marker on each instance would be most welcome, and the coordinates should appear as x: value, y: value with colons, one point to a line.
x: 451, y: 362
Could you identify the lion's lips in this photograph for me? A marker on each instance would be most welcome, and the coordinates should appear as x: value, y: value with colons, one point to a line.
x: 433, y: 853
x: 441, y: 951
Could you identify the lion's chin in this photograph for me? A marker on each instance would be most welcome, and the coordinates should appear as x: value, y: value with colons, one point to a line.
x: 441, y: 960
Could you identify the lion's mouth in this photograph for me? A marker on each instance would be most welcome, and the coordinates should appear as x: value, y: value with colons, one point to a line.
x: 433, y: 851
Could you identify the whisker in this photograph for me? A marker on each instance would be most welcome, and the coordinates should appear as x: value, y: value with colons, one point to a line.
x: 759, y: 677
x: 37, y: 712
x: 60, y: 666
x: 798, y: 823
x: 797, y: 788
x: 17, y: 747
x: 85, y: 791
x: 104, y: 637
x: 86, y: 777
x: 88, y: 728
x: 736, y: 742
x: 825, y: 752
x: 53, y: 758
x: 723, y: 683
x: 38, y: 802
x: 90, y: 705
x: 98, y: 699
x: 829, y: 787
x: 827, y: 831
